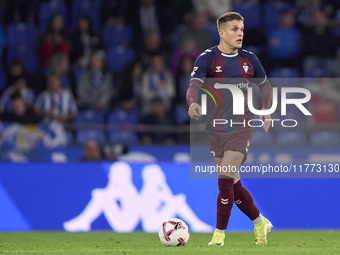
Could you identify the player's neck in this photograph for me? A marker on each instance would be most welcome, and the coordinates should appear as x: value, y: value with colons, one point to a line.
x: 227, y: 50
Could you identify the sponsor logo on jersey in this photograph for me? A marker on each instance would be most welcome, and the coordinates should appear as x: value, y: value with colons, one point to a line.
x: 218, y: 69
x: 239, y: 85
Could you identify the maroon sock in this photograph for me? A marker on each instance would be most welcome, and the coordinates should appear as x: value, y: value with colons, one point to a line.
x: 245, y: 202
x: 225, y: 202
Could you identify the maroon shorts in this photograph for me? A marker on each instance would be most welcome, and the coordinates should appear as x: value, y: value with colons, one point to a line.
x: 219, y: 144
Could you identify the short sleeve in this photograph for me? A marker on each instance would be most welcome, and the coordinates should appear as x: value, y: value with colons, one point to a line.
x: 201, y: 68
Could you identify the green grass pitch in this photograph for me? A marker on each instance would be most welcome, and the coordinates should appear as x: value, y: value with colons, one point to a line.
x: 280, y: 242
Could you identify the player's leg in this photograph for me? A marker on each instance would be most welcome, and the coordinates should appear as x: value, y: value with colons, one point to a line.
x: 245, y: 202
x: 231, y: 160
x: 243, y: 199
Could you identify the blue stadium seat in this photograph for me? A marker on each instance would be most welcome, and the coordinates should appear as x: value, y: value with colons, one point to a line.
x: 325, y: 138
x: 90, y: 8
x: 119, y: 57
x: 48, y: 9
x: 336, y: 31
x: 22, y: 42
x: 252, y: 14
x: 27, y: 54
x: 83, y: 136
x: 119, y: 117
x: 175, y: 35
x: 117, y: 36
x: 261, y: 138
x: 285, y: 73
x: 316, y: 73
x: 90, y: 117
x: 287, y: 43
x: 21, y: 34
x: 272, y: 12
x: 291, y: 138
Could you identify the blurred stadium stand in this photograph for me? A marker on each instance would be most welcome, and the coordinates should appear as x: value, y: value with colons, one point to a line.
x: 280, y: 49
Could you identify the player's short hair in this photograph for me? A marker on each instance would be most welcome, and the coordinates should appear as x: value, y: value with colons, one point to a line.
x: 229, y: 16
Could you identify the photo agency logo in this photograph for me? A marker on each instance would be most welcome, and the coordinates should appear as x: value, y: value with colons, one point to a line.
x: 238, y: 104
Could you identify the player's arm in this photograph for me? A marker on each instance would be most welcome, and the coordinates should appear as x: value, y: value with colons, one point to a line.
x: 195, y: 110
x: 200, y: 71
x: 265, y: 91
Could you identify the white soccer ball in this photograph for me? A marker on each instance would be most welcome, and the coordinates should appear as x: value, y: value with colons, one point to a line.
x: 174, y: 232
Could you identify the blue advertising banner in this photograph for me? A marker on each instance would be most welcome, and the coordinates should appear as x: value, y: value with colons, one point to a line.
x: 125, y: 197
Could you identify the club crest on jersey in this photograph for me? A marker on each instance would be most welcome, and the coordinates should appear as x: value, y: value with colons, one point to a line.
x: 245, y: 67
x: 218, y: 69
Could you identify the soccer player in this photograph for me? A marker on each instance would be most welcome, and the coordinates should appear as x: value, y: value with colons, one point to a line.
x: 230, y: 143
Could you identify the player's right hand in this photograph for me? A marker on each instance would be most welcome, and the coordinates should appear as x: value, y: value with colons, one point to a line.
x: 195, y: 111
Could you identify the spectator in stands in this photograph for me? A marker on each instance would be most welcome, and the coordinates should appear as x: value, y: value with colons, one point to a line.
x: 16, y: 69
x: 130, y: 89
x: 59, y: 65
x: 285, y: 42
x: 306, y: 11
x: 19, y: 113
x: 56, y: 103
x: 91, y: 151
x: 18, y: 85
x: 320, y: 45
x: 35, y: 81
x: 187, y: 49
x: 147, y: 16
x: 84, y: 42
x: 55, y: 40
x: 95, y: 87
x: 196, y: 32
x: 180, y: 11
x: 325, y: 102
x: 152, y: 47
x: 111, y: 9
x: 157, y: 81
x: 160, y: 117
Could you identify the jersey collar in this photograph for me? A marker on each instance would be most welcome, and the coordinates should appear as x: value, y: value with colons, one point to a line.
x: 229, y: 56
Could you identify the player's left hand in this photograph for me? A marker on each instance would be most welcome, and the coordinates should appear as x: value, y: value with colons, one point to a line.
x: 267, y: 120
